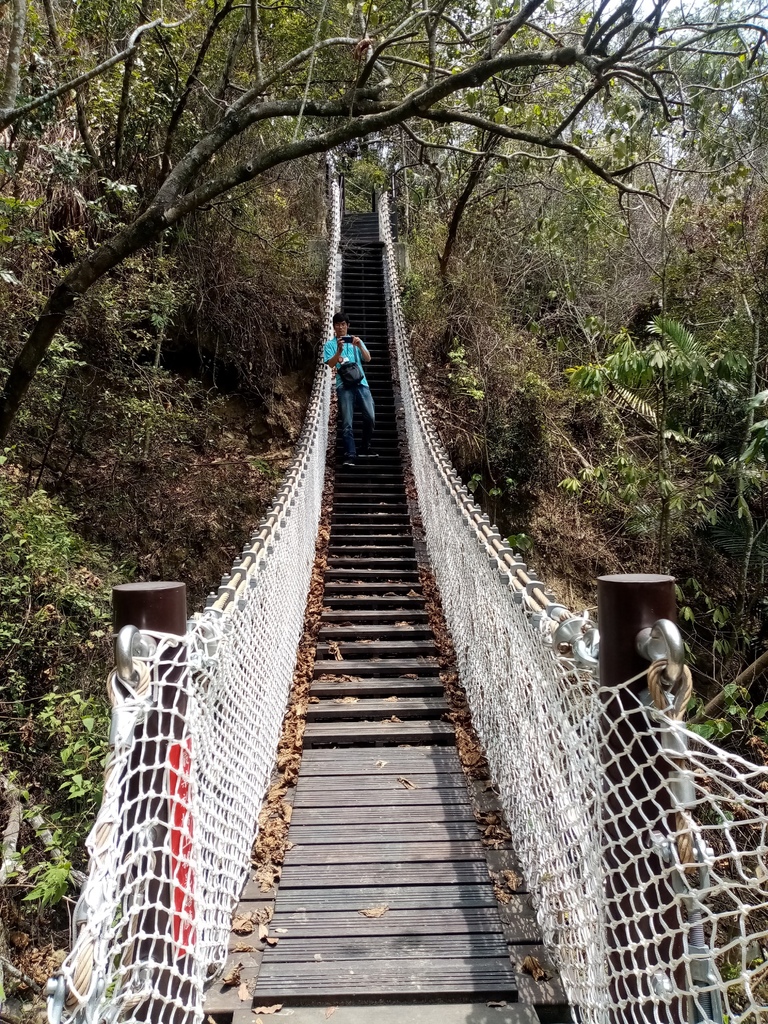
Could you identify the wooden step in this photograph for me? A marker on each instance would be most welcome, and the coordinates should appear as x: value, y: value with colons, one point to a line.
x: 377, y: 734
x: 372, y: 709
x: 384, y: 666
x: 371, y: 616
x: 424, y: 686
x: 401, y: 630
x: 363, y: 649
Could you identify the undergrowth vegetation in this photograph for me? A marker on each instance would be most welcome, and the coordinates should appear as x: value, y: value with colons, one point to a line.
x: 598, y: 374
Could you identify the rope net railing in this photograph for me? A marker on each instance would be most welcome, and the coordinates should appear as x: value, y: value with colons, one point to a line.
x: 195, y: 728
x: 644, y: 845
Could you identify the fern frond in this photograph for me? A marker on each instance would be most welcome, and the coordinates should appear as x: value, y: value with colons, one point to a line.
x: 685, y: 348
x: 636, y: 402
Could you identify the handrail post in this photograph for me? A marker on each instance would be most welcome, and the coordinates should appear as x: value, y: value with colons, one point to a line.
x: 158, y: 794
x: 644, y: 926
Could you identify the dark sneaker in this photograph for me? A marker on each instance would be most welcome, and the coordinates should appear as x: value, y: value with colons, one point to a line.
x: 348, y: 462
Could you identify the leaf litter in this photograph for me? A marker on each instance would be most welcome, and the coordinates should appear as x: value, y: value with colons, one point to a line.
x: 375, y: 912
x: 231, y: 976
x: 533, y: 967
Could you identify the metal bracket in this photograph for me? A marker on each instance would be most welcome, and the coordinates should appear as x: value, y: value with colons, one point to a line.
x: 586, y: 649
x: 56, y: 993
x: 663, y: 641
x: 130, y: 643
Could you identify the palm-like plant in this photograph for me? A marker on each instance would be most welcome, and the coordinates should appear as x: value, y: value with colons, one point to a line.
x: 668, y: 370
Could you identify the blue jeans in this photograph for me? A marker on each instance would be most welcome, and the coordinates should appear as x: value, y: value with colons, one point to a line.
x: 349, y: 396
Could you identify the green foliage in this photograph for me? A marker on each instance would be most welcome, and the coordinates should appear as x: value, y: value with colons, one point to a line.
x: 464, y: 378
x: 78, y: 727
x: 520, y: 542
x: 54, y: 609
x: 55, y: 644
x: 51, y: 881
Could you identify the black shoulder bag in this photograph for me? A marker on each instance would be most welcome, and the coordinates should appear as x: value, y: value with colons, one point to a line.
x: 350, y: 373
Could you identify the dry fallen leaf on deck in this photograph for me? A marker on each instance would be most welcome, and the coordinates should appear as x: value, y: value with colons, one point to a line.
x: 502, y: 895
x: 272, y: 940
x: 410, y: 675
x: 412, y: 593
x: 232, y: 976
x: 243, y: 992
x: 497, y: 1003
x: 243, y: 947
x: 267, y: 1009
x: 394, y: 718
x: 532, y: 966
x: 263, y: 932
x: 375, y: 911
x: 380, y: 764
x: 406, y: 783
x: 242, y: 924
x: 329, y: 1011
x: 392, y: 698
x: 512, y: 880
x: 345, y: 700
x: 333, y: 648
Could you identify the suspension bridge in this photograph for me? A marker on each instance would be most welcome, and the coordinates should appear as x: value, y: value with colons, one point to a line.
x: 606, y: 865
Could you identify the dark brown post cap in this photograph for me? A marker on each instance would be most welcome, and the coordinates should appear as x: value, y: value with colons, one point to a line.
x: 154, y: 606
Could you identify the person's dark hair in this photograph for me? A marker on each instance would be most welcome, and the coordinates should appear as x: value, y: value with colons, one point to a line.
x: 340, y: 318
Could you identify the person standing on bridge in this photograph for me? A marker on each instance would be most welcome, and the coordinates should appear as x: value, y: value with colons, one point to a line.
x: 347, y: 353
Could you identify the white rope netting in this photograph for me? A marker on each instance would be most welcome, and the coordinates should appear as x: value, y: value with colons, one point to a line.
x: 193, y: 744
x: 601, y: 790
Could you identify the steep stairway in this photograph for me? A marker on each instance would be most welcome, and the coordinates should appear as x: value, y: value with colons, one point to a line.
x: 385, y: 895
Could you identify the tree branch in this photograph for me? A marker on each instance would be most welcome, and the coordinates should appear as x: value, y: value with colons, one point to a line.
x: 192, y: 80
x: 446, y: 117
x: 9, y: 115
x: 513, y: 25
x: 122, y: 113
x: 255, y: 46
x: 757, y: 669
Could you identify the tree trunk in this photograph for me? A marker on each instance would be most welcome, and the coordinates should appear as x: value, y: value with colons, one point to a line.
x: 13, y: 61
x: 664, y: 479
x: 475, y: 177
x: 742, y: 507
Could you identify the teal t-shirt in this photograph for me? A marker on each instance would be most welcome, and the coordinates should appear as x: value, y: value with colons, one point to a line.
x: 349, y: 353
